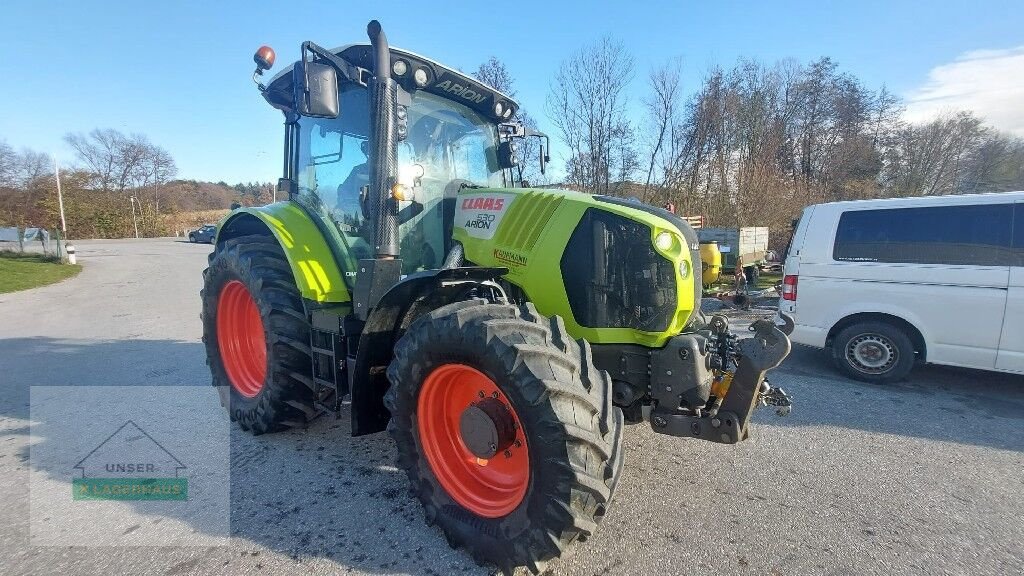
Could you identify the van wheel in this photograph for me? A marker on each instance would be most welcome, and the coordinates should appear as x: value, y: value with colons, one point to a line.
x: 875, y: 352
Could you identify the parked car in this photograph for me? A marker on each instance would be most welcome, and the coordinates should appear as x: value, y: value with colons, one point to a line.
x: 204, y: 234
x: 885, y: 284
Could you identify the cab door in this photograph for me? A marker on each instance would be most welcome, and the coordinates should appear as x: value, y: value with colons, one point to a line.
x: 1011, y: 341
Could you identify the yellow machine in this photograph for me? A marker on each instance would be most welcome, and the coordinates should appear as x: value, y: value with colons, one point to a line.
x: 710, y: 262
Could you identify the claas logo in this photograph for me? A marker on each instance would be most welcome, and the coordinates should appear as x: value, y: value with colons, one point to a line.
x: 483, y: 203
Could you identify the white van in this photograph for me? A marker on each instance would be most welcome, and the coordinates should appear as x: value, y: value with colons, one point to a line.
x: 887, y: 283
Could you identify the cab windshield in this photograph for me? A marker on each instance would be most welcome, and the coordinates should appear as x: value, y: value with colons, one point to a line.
x: 449, y: 144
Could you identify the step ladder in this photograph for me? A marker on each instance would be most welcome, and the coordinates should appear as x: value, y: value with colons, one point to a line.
x: 330, y: 355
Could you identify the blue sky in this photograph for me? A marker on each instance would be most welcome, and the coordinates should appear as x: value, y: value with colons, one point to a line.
x: 179, y: 72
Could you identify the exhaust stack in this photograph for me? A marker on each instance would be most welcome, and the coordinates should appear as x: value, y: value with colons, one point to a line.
x: 383, y: 161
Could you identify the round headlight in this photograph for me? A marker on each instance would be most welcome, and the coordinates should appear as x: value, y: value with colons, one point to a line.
x: 498, y: 108
x: 399, y: 67
x: 663, y: 241
x: 420, y: 76
x: 507, y: 114
x: 684, y: 269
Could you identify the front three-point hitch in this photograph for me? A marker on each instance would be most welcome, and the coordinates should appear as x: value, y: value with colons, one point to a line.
x: 713, y: 398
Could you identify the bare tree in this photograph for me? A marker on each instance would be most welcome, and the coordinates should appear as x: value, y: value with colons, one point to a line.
x: 8, y: 165
x: 162, y: 168
x: 100, y: 152
x: 930, y: 159
x: 587, y: 102
x: 494, y: 73
x: 756, y: 142
x: 663, y: 109
x: 995, y: 165
x: 31, y: 166
x: 121, y: 163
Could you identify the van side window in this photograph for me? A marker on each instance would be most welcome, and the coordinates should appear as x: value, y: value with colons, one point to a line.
x: 1018, y: 235
x: 972, y: 234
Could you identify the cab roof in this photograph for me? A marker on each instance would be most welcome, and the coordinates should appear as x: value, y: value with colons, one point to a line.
x: 441, y: 80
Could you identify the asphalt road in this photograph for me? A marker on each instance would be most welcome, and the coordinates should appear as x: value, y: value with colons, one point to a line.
x: 925, y: 477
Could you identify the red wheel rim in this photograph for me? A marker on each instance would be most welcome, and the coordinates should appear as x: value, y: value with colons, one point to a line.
x: 489, y: 488
x: 243, y: 347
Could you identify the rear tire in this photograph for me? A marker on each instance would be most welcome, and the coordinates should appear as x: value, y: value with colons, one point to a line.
x: 563, y: 406
x: 875, y: 352
x: 261, y: 368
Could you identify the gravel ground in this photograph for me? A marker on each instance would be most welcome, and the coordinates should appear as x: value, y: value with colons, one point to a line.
x: 923, y: 477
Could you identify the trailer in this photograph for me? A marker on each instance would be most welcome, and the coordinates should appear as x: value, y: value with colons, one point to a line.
x: 750, y: 243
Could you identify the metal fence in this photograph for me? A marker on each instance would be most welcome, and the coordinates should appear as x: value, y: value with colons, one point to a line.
x: 34, y: 240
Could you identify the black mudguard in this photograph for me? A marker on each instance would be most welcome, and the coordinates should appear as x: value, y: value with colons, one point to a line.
x: 407, y: 300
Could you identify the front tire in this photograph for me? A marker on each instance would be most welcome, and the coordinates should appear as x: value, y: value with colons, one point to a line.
x: 192, y: 238
x: 257, y: 336
x: 555, y: 436
x: 875, y: 352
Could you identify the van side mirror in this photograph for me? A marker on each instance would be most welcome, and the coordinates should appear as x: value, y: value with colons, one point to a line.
x: 316, y: 89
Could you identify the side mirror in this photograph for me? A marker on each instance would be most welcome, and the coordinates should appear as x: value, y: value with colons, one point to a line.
x: 316, y: 89
x: 507, y: 155
x: 288, y: 186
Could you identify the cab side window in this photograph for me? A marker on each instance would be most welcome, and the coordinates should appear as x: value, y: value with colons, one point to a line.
x: 333, y: 157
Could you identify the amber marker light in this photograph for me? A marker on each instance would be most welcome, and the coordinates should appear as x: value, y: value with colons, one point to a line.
x: 264, y: 58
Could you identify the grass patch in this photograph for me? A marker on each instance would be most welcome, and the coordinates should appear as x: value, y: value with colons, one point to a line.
x: 768, y: 280
x: 20, y: 271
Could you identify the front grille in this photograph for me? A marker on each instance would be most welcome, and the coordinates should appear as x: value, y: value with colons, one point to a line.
x: 613, y: 276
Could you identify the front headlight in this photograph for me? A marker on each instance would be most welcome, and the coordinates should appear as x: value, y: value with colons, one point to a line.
x: 684, y: 269
x: 663, y: 241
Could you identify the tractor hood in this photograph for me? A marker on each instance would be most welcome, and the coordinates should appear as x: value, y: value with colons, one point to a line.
x: 439, y: 80
x: 617, y: 271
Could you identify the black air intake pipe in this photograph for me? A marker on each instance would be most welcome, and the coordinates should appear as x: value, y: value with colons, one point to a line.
x: 383, y: 161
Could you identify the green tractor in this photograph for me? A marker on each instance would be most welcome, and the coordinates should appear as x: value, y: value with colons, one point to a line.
x: 503, y: 334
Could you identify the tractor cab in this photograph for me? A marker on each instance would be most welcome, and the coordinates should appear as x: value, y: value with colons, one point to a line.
x: 452, y: 133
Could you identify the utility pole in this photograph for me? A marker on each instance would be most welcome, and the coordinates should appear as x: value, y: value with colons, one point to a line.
x: 134, y: 221
x: 60, y: 199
